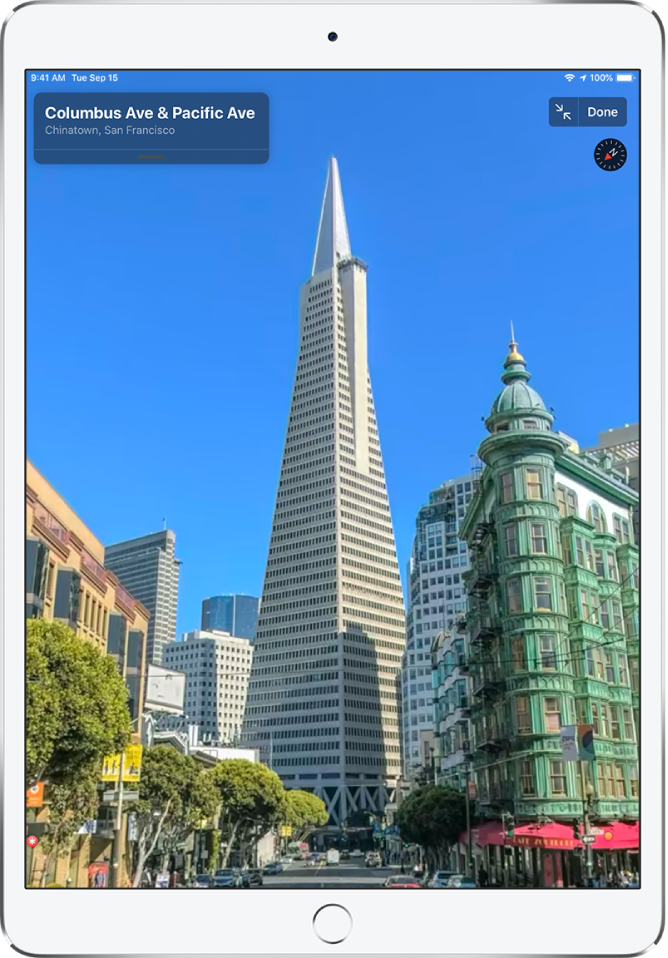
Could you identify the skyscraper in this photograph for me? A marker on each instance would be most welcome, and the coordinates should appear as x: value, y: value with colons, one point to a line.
x: 437, y: 598
x: 322, y: 703
x: 236, y: 614
x: 147, y: 567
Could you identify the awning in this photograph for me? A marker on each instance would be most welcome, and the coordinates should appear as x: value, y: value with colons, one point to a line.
x: 613, y: 836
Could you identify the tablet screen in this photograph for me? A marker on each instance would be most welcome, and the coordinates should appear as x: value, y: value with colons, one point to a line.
x: 260, y: 651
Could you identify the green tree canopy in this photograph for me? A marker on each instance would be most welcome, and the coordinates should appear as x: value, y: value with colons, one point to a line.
x: 252, y: 799
x: 175, y: 794
x: 304, y: 810
x: 76, y: 705
x: 433, y: 816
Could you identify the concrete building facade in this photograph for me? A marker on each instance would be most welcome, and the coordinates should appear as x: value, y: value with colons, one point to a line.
x: 148, y: 568
x: 331, y: 629
x: 437, y: 599
x: 218, y: 667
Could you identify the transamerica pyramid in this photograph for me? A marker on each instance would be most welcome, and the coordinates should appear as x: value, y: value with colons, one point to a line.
x: 322, y: 702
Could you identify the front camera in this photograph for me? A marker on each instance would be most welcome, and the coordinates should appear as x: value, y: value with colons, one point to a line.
x: 332, y: 36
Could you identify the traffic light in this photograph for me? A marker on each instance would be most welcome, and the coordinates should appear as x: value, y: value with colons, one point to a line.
x: 509, y: 825
x: 576, y: 828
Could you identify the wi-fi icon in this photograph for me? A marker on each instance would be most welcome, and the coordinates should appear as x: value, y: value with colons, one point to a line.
x: 570, y: 76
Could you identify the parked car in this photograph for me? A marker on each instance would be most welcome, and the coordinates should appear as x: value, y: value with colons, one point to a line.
x: 460, y: 881
x: 227, y: 878
x: 345, y: 855
x: 202, y: 881
x: 357, y: 853
x: 373, y: 860
x: 440, y: 879
x: 401, y: 881
x: 273, y: 868
x: 250, y: 877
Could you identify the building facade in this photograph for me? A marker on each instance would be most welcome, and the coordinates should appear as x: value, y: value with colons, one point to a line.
x: 331, y: 629
x: 623, y: 445
x: 66, y: 581
x: 437, y: 598
x: 553, y: 625
x: 218, y: 667
x: 236, y: 614
x: 451, y: 675
x: 148, y: 568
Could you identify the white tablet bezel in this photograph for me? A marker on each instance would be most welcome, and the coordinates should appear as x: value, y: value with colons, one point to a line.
x: 371, y: 35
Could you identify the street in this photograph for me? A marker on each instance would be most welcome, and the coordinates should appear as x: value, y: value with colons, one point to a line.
x: 351, y: 874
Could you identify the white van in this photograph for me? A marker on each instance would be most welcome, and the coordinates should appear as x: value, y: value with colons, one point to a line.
x: 333, y: 856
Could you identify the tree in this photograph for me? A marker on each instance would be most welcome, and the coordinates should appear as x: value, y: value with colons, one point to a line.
x: 303, y: 810
x: 433, y: 816
x: 70, y: 804
x: 174, y: 795
x: 252, y: 799
x: 76, y: 705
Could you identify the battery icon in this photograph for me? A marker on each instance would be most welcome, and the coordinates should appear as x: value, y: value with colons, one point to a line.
x: 624, y: 77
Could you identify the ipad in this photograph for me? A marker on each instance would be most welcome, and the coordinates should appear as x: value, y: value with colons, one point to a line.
x: 332, y: 387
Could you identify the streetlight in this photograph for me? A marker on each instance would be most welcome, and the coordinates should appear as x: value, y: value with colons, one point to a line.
x: 587, y: 799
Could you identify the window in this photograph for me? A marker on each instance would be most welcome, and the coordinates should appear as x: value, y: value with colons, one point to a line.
x: 530, y: 424
x: 506, y: 480
x: 548, y: 651
x: 609, y: 667
x: 612, y: 567
x: 610, y: 777
x: 596, y: 517
x: 534, y: 484
x: 618, y: 622
x: 568, y: 551
x: 628, y: 725
x: 538, y: 538
x: 623, y: 667
x: 552, y: 714
x: 602, y: 790
x: 579, y: 551
x: 542, y: 594
x: 603, y: 717
x: 635, y: 683
x: 584, y: 602
x: 615, y: 730
x: 633, y: 780
x: 523, y: 713
x: 517, y: 651
x: 510, y: 533
x: 598, y: 563
x: 581, y: 712
x: 604, y: 615
x: 635, y: 574
x: 514, y: 591
x: 561, y: 501
x: 594, y: 718
x: 598, y: 658
x: 528, y: 782
x: 572, y: 502
x: 621, y: 530
x: 563, y: 605
x: 589, y: 555
x: 558, y: 778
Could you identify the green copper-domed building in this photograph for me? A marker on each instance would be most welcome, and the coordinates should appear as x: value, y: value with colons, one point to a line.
x: 553, y: 627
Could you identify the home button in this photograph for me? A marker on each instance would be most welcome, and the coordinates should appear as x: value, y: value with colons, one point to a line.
x: 332, y: 924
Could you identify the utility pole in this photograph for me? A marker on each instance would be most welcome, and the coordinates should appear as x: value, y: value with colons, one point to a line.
x: 469, y: 856
x: 116, y: 851
x: 587, y: 791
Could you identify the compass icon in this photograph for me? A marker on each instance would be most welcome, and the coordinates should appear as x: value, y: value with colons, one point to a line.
x: 610, y: 155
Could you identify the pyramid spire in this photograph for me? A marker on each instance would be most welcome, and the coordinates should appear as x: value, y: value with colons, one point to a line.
x: 333, y: 243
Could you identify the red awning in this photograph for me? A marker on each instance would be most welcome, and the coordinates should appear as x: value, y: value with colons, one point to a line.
x: 616, y: 835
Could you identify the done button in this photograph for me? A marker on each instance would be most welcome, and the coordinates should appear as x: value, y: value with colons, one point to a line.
x: 602, y: 110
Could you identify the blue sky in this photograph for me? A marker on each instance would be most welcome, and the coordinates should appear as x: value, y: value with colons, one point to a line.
x: 163, y: 302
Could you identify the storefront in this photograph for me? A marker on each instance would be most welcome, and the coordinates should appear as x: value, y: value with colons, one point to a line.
x: 549, y: 855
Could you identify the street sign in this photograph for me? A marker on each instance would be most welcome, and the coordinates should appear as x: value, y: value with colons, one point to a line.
x: 112, y: 796
x: 588, y: 839
x: 35, y: 795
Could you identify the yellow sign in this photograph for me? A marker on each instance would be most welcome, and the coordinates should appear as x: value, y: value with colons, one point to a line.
x: 132, y: 763
x: 111, y: 765
x: 285, y: 831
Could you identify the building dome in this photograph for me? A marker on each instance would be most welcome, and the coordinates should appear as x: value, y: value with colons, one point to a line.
x: 517, y: 399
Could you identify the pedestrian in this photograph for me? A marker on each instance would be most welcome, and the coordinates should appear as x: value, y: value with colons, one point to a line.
x: 483, y: 877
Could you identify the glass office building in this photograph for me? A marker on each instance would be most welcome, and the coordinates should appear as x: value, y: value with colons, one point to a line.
x: 236, y: 614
